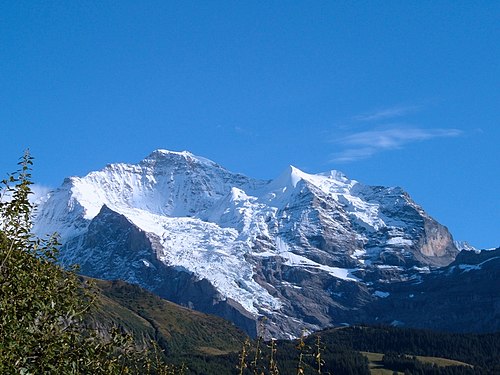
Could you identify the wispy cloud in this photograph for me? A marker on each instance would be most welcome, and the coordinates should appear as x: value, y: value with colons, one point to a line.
x: 370, y: 133
x: 364, y: 144
x: 39, y: 193
x: 386, y: 113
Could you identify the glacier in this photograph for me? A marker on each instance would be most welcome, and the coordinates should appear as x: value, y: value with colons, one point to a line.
x: 255, y: 241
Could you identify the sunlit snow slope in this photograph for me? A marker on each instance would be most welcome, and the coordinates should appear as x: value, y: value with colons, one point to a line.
x: 258, y: 243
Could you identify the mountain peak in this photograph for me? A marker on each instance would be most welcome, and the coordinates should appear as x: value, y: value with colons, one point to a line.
x: 295, y: 175
x: 163, y: 152
x: 168, y: 155
x: 326, y: 181
x: 242, y: 238
x: 289, y: 178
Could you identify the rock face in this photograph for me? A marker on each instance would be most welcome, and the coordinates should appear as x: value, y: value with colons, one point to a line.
x: 464, y: 296
x: 113, y: 245
x: 303, y: 250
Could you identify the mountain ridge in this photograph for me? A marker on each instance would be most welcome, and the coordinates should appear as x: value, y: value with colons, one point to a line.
x: 286, y: 249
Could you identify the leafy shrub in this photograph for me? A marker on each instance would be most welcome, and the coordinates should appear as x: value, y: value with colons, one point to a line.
x: 42, y: 305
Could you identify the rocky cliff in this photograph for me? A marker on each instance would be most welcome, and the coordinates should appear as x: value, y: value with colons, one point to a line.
x: 303, y: 250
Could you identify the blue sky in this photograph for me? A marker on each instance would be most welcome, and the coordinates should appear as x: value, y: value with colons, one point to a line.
x: 397, y: 93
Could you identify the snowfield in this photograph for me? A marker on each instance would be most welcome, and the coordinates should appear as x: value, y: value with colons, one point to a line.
x: 209, y: 221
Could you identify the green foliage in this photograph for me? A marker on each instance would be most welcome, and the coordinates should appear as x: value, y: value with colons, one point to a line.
x: 42, y: 305
x: 177, y: 330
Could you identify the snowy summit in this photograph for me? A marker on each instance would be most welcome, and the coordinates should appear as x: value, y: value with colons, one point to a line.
x: 230, y: 231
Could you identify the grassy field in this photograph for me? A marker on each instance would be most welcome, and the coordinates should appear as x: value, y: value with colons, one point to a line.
x: 441, y: 362
x: 178, y: 330
x: 377, y: 367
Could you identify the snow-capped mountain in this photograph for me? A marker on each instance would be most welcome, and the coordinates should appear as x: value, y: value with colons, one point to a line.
x: 304, y: 250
